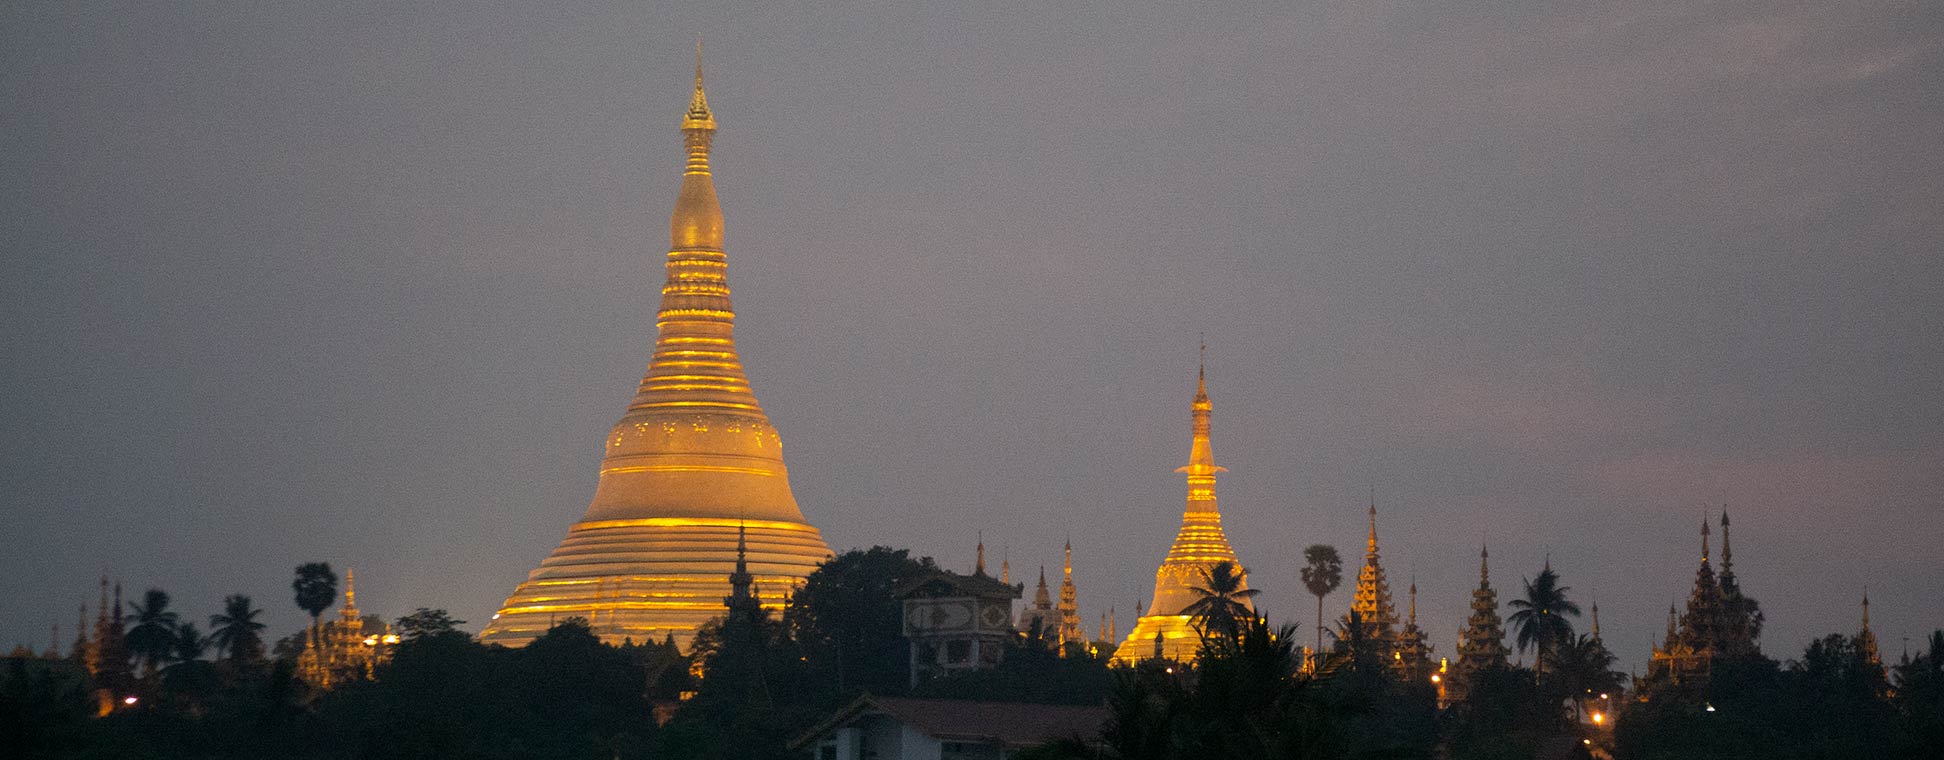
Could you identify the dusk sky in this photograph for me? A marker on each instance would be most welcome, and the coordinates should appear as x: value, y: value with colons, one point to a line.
x: 367, y: 284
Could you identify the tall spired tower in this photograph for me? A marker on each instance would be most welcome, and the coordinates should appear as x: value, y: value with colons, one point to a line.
x: 1198, y: 548
x: 691, y: 466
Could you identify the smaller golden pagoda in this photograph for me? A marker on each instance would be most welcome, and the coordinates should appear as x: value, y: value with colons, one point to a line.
x: 1481, y: 645
x: 1200, y: 545
x: 1070, y: 630
x: 346, y: 649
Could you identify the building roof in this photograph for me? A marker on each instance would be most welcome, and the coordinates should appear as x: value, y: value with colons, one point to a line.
x: 948, y: 583
x: 1014, y: 725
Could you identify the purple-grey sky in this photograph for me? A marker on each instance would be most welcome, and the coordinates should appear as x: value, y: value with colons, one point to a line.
x: 367, y: 284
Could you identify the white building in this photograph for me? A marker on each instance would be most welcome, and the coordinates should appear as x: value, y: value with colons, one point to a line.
x: 896, y: 728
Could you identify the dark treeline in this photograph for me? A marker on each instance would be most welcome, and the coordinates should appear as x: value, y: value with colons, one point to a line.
x: 753, y: 682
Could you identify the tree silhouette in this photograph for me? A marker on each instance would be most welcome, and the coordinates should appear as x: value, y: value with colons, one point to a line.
x: 1222, y: 603
x: 1541, y: 616
x: 427, y: 622
x: 153, y: 636
x: 316, y: 589
x: 189, y: 644
x: 1584, y: 669
x: 1322, y: 576
x: 236, y: 632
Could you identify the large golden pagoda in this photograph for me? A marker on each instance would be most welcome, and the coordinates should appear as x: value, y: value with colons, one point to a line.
x: 1198, y: 548
x: 692, y: 463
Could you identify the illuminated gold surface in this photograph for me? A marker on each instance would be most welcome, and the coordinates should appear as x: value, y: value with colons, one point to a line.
x: 1198, y: 547
x: 1179, y: 640
x: 692, y: 458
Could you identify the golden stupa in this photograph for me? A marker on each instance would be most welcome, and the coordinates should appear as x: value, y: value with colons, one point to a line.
x: 1198, y: 548
x: 692, y: 462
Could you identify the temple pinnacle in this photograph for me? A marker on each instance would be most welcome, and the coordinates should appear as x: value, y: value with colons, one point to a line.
x: 1371, y: 549
x: 1727, y: 554
x: 698, y: 116
x: 1413, y: 618
x: 691, y: 472
x: 1198, y: 548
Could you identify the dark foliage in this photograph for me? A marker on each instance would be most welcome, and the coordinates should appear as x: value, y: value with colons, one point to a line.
x: 849, y: 624
x: 315, y: 588
x: 1031, y: 671
x: 426, y: 622
x: 1831, y: 703
x: 1221, y: 603
x: 1503, y: 716
x: 153, y: 637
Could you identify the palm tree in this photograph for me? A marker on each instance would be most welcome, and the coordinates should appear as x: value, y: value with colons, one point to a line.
x: 1323, y: 575
x: 316, y: 588
x: 1223, y: 601
x: 154, y: 632
x: 236, y: 632
x: 1584, y: 668
x: 189, y: 643
x: 1541, y: 616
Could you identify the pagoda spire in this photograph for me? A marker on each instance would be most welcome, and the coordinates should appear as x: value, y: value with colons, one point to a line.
x: 1372, y: 598
x: 1198, y: 548
x: 692, y: 467
x: 1070, y: 630
x: 1727, y: 554
x: 740, y: 580
x: 1005, y: 567
x: 1701, y: 626
x: 1866, y: 638
x: 1704, y: 540
x: 1481, y: 644
x: 978, y: 565
x: 1413, y: 618
x: 1370, y: 547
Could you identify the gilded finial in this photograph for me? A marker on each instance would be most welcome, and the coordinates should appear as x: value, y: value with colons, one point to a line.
x: 1371, y: 550
x: 978, y: 567
x: 698, y: 116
